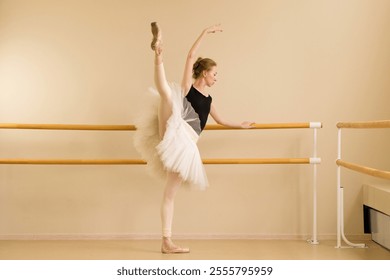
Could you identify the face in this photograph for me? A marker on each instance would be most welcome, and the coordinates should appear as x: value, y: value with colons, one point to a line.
x: 210, y: 76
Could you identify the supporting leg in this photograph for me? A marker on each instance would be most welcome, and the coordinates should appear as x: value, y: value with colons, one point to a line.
x: 167, y: 211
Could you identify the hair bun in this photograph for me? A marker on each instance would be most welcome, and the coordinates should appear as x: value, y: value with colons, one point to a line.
x: 197, y: 63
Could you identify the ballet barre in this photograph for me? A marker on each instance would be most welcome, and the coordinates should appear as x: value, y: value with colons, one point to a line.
x: 131, y: 127
x: 355, y: 167
x: 364, y: 169
x: 373, y: 124
x: 140, y: 162
x: 314, y: 160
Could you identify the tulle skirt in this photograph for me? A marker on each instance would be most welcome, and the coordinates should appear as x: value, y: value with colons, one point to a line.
x: 177, y: 151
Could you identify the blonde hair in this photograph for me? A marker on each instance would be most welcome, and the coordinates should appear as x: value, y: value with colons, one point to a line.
x: 200, y: 65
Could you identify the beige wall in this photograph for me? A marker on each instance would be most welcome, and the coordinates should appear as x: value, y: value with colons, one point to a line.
x: 279, y: 61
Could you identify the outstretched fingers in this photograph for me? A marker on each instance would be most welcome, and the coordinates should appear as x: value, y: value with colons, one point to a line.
x: 214, y: 28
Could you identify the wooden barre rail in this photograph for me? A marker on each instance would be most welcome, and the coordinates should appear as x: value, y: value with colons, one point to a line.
x: 364, y: 169
x: 131, y: 127
x: 373, y: 124
x: 139, y: 161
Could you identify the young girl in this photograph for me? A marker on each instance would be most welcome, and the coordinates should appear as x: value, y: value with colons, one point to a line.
x: 167, y: 139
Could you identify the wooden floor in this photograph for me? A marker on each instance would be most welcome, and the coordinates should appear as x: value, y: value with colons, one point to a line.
x: 200, y: 250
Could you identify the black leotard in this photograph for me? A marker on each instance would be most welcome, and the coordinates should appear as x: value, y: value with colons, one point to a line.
x: 201, y: 104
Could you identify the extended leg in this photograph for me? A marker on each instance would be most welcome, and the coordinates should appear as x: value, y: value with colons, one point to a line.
x: 160, y: 80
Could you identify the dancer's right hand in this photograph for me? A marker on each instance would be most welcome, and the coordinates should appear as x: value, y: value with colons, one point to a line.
x: 214, y: 28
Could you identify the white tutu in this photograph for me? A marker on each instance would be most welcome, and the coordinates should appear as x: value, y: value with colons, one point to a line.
x: 177, y: 151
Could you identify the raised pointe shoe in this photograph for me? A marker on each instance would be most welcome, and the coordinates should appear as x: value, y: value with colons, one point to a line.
x: 173, y: 249
x: 156, y: 36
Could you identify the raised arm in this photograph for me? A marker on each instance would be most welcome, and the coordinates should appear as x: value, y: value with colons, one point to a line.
x: 219, y: 120
x: 191, y: 57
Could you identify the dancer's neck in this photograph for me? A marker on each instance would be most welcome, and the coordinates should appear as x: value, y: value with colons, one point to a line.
x: 200, y: 86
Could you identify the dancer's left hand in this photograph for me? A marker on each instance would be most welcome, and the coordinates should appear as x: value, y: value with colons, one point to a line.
x: 247, y: 124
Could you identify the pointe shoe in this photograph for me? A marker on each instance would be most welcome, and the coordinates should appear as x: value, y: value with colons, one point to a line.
x: 173, y: 249
x: 176, y: 250
x: 156, y: 42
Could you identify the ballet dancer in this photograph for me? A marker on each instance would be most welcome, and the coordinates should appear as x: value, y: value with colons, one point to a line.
x: 181, y: 116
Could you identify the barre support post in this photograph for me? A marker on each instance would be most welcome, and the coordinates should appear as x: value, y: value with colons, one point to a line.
x: 314, y: 160
x: 338, y: 190
x: 353, y: 245
x: 340, y: 203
